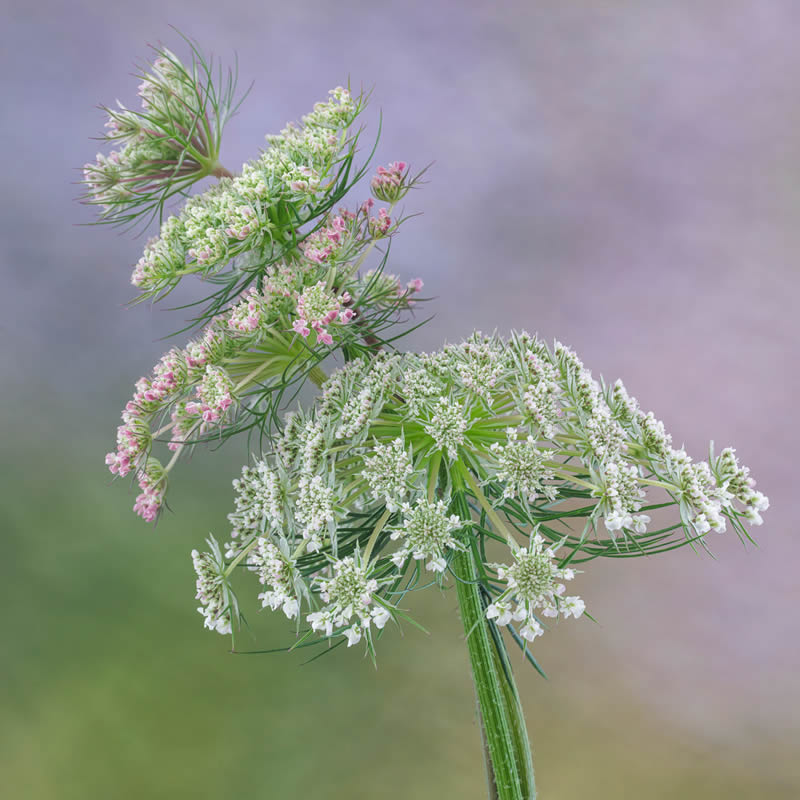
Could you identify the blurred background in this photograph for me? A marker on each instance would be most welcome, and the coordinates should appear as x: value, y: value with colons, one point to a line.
x: 624, y: 177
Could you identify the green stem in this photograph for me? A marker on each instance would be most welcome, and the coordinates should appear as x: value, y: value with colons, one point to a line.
x: 508, y: 754
x: 220, y: 172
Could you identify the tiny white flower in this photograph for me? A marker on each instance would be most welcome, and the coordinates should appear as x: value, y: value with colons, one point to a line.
x: 531, y: 629
x: 436, y: 565
x: 380, y: 616
x: 701, y: 524
x: 574, y: 606
x: 321, y: 621
x: 640, y: 522
x: 353, y: 635
x: 291, y: 607
x: 499, y: 611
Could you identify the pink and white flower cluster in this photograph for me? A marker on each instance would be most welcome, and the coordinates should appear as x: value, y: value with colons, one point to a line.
x: 388, y: 183
x: 133, y: 439
x: 379, y: 226
x: 325, y: 243
x: 318, y: 307
x: 153, y: 483
x: 246, y: 316
x: 214, y: 396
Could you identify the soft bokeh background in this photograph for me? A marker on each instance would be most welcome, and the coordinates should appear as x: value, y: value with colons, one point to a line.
x: 622, y: 176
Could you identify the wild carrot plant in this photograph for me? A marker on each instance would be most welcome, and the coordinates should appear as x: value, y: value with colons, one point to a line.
x: 499, y: 465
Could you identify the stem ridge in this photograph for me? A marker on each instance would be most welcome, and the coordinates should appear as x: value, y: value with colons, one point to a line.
x: 508, y: 756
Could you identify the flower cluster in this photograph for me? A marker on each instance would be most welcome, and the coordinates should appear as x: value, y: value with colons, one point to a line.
x: 390, y: 183
x: 427, y: 534
x: 171, y: 142
x: 290, y: 184
x: 522, y: 468
x: 317, y: 308
x: 533, y: 582
x: 201, y: 386
x: 273, y: 565
x: 217, y: 603
x: 387, y: 472
x: 259, y: 500
x: 407, y: 464
x: 370, y: 486
x: 214, y: 396
x: 153, y: 483
x: 385, y: 290
x: 349, y: 593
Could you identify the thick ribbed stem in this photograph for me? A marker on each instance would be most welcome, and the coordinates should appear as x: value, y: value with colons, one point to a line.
x: 220, y: 172
x: 509, y: 764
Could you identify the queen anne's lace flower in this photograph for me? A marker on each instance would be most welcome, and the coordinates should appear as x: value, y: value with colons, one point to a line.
x: 405, y: 460
x: 427, y: 534
x: 349, y: 595
x: 523, y: 430
x: 275, y: 571
x: 259, y: 500
x: 359, y: 470
x: 447, y: 426
x: 387, y: 472
x: 533, y: 582
x: 214, y: 605
x: 522, y: 467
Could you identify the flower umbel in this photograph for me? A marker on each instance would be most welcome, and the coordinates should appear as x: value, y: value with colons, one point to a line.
x: 533, y: 582
x: 164, y: 147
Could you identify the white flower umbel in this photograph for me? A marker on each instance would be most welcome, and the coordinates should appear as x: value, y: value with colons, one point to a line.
x: 387, y: 472
x: 621, y: 496
x: 533, y: 582
x: 259, y: 500
x: 479, y: 364
x: 541, y: 398
x: 418, y: 388
x: 427, y: 534
x: 215, y: 598
x: 522, y: 467
x: 348, y: 593
x: 275, y: 570
x: 314, y: 509
x: 735, y: 482
x: 447, y: 426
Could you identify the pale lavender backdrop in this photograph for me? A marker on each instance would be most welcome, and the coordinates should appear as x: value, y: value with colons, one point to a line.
x: 620, y: 176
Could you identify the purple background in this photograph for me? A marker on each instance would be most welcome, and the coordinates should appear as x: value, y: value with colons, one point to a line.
x: 620, y: 176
